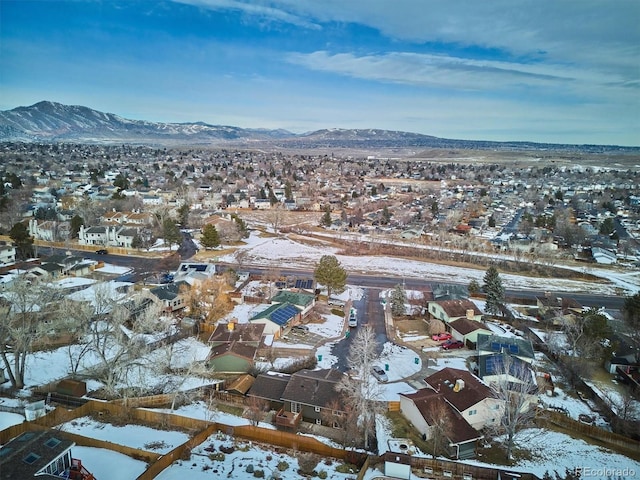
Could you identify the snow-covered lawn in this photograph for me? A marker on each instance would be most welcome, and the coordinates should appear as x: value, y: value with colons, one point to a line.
x: 554, y: 451
x: 207, y: 461
x: 108, y: 465
x: 134, y: 436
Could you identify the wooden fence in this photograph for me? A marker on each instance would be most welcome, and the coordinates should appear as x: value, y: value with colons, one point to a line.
x: 609, y: 439
x: 393, y: 406
x: 445, y: 469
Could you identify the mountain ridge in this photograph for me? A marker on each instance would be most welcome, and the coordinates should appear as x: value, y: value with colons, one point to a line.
x: 48, y: 121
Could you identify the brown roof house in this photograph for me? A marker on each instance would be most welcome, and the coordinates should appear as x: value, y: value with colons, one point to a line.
x: 450, y: 310
x: 269, y: 387
x: 249, y: 333
x: 426, y: 408
x: 468, y: 395
x: 467, y: 330
x: 233, y: 357
x: 308, y: 396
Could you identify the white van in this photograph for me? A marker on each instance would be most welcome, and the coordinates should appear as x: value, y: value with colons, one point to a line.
x: 353, y: 318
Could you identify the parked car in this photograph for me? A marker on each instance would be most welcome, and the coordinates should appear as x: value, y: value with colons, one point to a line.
x: 300, y: 328
x: 452, y: 344
x: 379, y: 373
x: 353, y: 319
x: 102, y: 251
x: 439, y: 337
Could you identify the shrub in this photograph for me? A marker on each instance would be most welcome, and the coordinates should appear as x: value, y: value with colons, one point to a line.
x: 308, y: 362
x: 249, y: 468
x: 307, y: 462
x: 227, y: 450
x: 258, y: 474
x: 218, y: 457
x: 322, y: 474
x: 282, y: 466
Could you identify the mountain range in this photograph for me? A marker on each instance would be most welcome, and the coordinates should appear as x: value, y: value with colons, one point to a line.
x: 55, y: 122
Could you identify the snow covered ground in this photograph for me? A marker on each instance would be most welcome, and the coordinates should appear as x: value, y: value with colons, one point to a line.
x: 286, y: 253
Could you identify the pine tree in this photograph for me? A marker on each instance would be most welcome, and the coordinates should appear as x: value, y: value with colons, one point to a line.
x: 398, y: 301
x: 22, y: 240
x: 210, y: 237
x: 171, y: 232
x: 326, y: 218
x: 330, y: 273
x: 494, y: 290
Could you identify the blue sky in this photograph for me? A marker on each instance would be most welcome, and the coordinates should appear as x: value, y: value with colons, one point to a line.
x: 539, y: 70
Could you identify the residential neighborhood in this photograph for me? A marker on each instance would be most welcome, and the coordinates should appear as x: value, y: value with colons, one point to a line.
x: 194, y: 280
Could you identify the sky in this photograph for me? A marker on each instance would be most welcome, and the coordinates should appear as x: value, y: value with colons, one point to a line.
x: 532, y: 70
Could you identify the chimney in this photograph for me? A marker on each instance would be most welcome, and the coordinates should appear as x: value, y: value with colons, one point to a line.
x: 459, y: 385
x: 470, y: 314
x: 231, y: 326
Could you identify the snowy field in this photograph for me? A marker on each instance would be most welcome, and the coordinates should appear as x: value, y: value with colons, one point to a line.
x: 286, y: 253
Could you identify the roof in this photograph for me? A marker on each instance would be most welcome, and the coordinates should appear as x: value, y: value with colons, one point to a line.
x: 241, y: 384
x: 458, y: 308
x: 28, y: 453
x: 242, y: 332
x: 280, y: 313
x: 429, y: 402
x: 313, y: 387
x: 513, y: 345
x: 269, y: 386
x: 234, y: 348
x: 169, y: 291
x: 465, y: 326
x: 473, y: 392
x: 495, y: 364
x: 294, y: 298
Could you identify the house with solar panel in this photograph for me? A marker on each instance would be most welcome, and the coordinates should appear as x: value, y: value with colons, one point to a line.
x: 500, y: 356
x: 277, y: 318
x: 304, y: 301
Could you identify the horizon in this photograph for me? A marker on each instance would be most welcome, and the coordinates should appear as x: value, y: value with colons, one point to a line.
x: 465, y: 71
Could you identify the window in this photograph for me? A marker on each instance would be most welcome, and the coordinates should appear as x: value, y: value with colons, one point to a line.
x: 31, y: 458
x: 473, y: 412
x: 318, y: 421
x: 295, y: 407
x: 317, y: 409
x: 336, y: 413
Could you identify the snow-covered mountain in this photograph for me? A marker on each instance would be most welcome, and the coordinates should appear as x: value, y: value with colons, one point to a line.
x: 50, y: 121
x: 55, y: 122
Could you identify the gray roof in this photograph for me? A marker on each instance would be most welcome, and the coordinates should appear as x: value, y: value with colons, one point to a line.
x: 28, y: 453
x: 313, y: 387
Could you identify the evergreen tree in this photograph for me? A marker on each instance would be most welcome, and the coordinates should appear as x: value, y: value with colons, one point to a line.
x: 398, y: 301
x: 75, y: 224
x: 210, y: 237
x: 240, y: 225
x: 386, y: 215
x: 22, y: 241
x: 631, y: 317
x: 183, y: 214
x: 474, y: 287
x: 171, y: 232
x: 494, y: 290
x: 326, y: 218
x: 136, y: 241
x: 330, y: 273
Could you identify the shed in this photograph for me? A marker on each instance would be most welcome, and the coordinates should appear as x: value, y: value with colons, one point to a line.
x: 397, y: 465
x: 73, y: 388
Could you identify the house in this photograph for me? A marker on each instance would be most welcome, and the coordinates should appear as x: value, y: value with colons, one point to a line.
x: 309, y: 396
x: 45, y: 454
x: 304, y: 301
x: 250, y: 333
x: 233, y: 357
x: 172, y: 295
x: 269, y: 387
x: 277, y: 317
x: 426, y: 408
x: 514, y: 346
x: 191, y: 271
x: 449, y: 310
x: 551, y: 306
x: 467, y: 330
x: 468, y: 395
x: 7, y: 254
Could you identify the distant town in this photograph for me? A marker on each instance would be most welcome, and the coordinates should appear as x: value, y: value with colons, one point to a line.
x: 130, y: 278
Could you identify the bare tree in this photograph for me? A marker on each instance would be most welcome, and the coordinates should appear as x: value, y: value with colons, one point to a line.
x: 27, y: 314
x: 341, y: 415
x: 513, y: 384
x: 440, y: 426
x: 360, y: 389
x: 255, y: 410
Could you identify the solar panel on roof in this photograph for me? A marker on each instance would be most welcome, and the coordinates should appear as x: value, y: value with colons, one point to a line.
x: 281, y: 284
x: 299, y: 284
x: 200, y: 268
x: 513, y: 349
x: 495, y: 346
